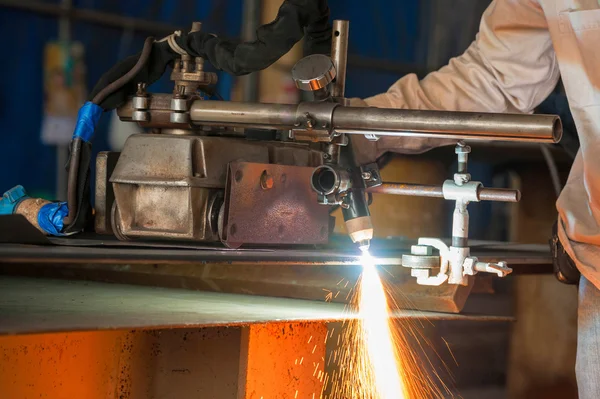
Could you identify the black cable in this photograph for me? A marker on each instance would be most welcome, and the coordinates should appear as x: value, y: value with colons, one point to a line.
x: 74, y: 171
x: 123, y: 80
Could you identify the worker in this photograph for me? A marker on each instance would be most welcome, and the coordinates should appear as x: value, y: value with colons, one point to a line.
x: 522, y: 49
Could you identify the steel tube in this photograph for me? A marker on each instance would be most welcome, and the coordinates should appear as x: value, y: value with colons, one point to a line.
x: 387, y: 122
x: 499, y: 194
x: 451, y: 125
x: 225, y: 113
x: 413, y: 190
x: 421, y: 190
x: 251, y: 22
x: 339, y: 55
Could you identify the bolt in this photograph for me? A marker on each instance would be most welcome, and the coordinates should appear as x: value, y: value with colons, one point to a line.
x: 366, y: 175
x: 461, y: 178
x: 266, y: 181
x: 186, y: 62
x: 462, y: 149
x: 179, y: 91
x: 469, y: 266
x: 199, y: 64
x: 141, y: 89
x: 309, y: 121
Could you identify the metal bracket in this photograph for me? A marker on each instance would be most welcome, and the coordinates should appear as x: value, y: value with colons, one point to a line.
x: 314, y: 122
x: 455, y: 262
x: 370, y: 175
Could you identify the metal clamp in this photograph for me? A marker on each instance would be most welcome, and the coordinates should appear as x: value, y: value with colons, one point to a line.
x: 370, y: 175
x: 314, y: 122
x: 455, y: 261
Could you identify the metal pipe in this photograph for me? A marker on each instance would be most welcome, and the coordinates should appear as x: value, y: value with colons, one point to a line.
x: 339, y: 55
x: 251, y: 22
x: 92, y: 16
x: 388, y: 122
x: 412, y: 190
x: 226, y: 113
x: 421, y: 190
x: 499, y: 194
x: 446, y: 124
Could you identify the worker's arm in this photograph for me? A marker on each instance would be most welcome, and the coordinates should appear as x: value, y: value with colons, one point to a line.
x: 510, y: 67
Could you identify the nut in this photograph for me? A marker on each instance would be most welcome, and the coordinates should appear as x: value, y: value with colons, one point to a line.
x: 469, y: 266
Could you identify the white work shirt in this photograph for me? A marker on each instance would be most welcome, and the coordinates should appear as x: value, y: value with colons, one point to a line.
x: 521, y: 50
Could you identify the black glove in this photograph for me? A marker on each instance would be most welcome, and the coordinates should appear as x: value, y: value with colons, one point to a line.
x: 272, y: 42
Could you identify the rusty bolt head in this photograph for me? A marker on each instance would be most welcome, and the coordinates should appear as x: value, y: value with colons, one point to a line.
x: 266, y: 181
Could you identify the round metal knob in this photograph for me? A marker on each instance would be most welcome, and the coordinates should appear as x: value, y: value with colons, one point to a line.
x: 314, y: 72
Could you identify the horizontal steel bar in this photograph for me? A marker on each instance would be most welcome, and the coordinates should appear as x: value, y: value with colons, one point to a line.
x: 388, y: 122
x: 421, y: 190
x: 111, y: 252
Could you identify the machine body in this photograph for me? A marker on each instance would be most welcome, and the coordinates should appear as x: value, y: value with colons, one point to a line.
x: 267, y: 174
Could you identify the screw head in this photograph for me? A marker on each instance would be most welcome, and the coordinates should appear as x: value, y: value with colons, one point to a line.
x: 366, y: 175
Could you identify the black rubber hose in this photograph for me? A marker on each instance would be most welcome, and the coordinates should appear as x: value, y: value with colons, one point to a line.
x: 73, y: 177
x: 123, y: 80
x: 73, y: 180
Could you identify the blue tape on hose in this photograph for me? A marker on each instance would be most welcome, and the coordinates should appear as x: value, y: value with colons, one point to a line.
x: 87, y: 120
x: 50, y: 217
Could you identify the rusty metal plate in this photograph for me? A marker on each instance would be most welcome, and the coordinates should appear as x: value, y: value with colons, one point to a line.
x: 272, y: 204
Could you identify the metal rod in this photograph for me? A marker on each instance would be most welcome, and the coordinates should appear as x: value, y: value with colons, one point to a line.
x: 226, y: 113
x: 251, y: 22
x: 339, y: 55
x: 389, y: 122
x: 499, y: 194
x: 421, y: 190
x: 451, y: 125
x: 413, y: 190
x: 92, y: 16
